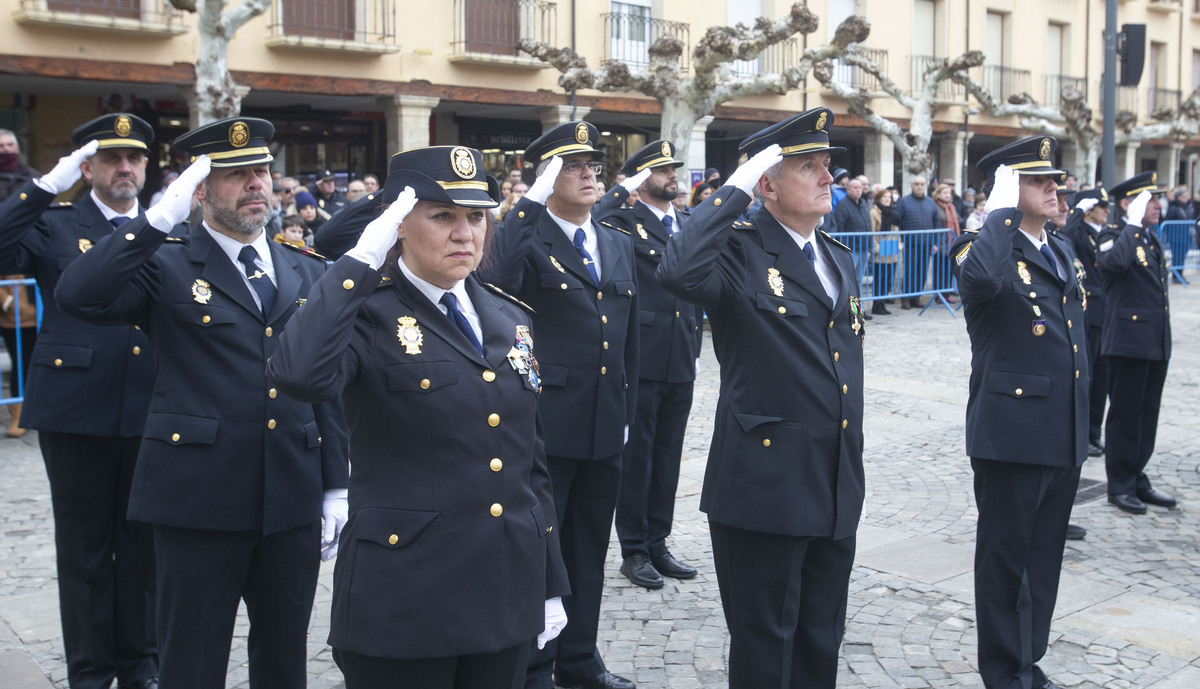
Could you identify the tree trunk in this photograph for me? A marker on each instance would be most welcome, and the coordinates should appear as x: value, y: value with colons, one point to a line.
x: 678, y: 120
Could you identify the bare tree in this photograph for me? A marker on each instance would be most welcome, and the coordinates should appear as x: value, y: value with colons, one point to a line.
x: 217, y: 95
x: 714, y: 78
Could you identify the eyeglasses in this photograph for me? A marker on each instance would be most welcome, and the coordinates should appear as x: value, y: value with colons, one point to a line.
x: 289, y: 190
x: 575, y: 168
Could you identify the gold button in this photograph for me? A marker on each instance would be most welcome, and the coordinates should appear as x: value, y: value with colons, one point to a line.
x: 393, y: 539
x: 1136, y: 235
x: 137, y: 327
x: 1007, y: 223
x: 424, y: 383
x: 845, y: 389
x: 1135, y: 316
x: 782, y: 309
x: 520, y: 214
x: 629, y: 292
x: 845, y: 422
x: 831, y: 325
x: 268, y: 332
x: 1033, y: 295
x: 174, y: 437
x: 318, y: 440
x: 652, y: 252
x: 603, y: 370
x: 599, y: 295
x: 272, y: 393
x: 206, y: 319
x: 24, y: 196
x: 497, y: 510
x: 836, y: 356
x: 616, y: 194
x: 348, y: 284
x: 766, y: 442
x: 1074, y: 348
x: 1166, y: 308
x: 716, y: 202
x: 563, y: 285
x: 677, y: 314
x: 271, y: 424
x: 604, y: 319
x: 1077, y: 374
x: 493, y: 420
x: 1019, y: 392
x: 496, y: 464
x: 489, y: 376
x: 58, y: 362
x: 1069, y: 323
x: 1064, y: 300
x: 129, y: 236
x: 136, y: 350
x: 605, y: 345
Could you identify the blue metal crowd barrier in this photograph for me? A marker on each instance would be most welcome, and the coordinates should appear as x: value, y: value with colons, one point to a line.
x: 16, y: 379
x: 1179, y: 238
x: 903, y: 264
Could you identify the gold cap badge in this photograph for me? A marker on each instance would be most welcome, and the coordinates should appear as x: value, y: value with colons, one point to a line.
x: 462, y: 162
x: 1044, y: 151
x: 123, y: 126
x: 666, y: 148
x: 821, y: 122
x: 239, y: 134
x: 581, y: 133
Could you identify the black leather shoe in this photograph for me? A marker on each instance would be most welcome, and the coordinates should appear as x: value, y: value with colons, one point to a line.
x: 1095, y: 450
x: 637, y: 568
x: 880, y: 310
x: 604, y: 680
x: 1075, y: 532
x: 1154, y: 497
x: 668, y: 566
x: 151, y: 683
x: 866, y: 316
x: 1128, y: 503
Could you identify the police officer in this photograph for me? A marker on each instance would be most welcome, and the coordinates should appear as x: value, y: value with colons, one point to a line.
x: 423, y: 353
x: 1023, y: 296
x: 669, y: 343
x: 86, y: 395
x: 1137, y: 341
x: 580, y: 280
x: 784, y: 485
x: 328, y: 198
x: 1084, y: 223
x: 233, y: 476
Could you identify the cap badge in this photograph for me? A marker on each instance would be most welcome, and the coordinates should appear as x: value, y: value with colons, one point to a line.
x: 409, y: 334
x: 775, y: 281
x: 821, y: 121
x: 581, y: 133
x: 1103, y: 195
x: 462, y: 162
x: 1154, y: 178
x: 666, y: 149
x: 123, y: 126
x: 1044, y: 151
x: 201, y: 291
x: 239, y: 134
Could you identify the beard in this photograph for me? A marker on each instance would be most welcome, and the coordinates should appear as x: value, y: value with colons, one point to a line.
x: 228, y: 215
x: 662, y: 192
x: 121, y: 188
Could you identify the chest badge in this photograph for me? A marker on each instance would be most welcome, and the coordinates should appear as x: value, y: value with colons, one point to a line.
x: 556, y: 264
x: 857, y: 323
x: 1023, y: 273
x: 642, y: 232
x: 409, y: 334
x: 84, y: 244
x: 775, y: 281
x: 1039, y: 328
x: 521, y: 358
x: 1141, y: 255
x: 201, y: 291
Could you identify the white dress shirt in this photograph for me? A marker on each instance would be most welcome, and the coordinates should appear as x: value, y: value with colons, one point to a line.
x: 589, y: 238
x: 825, y: 270
x: 233, y: 248
x: 434, y: 294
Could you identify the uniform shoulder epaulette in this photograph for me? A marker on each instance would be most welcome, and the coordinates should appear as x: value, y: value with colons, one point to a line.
x: 615, y: 227
x: 307, y: 252
x: 830, y: 238
x: 509, y: 297
x: 974, y: 231
x: 60, y: 205
x: 742, y: 224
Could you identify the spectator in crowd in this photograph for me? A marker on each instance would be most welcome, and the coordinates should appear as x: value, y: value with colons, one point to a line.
x: 314, y: 218
x: 701, y: 192
x: 968, y: 205
x: 168, y: 178
x: 868, y: 190
x: 838, y: 190
x: 916, y: 211
x: 681, y: 200
x: 14, y: 173
x: 514, y: 175
x: 886, y: 249
x: 505, y: 189
x: 852, y: 215
x: 328, y: 198
x: 712, y: 178
x: 619, y: 177
x: 1179, y: 237
x: 978, y: 214
x: 292, y: 231
x: 355, y: 190
x: 371, y: 182
x: 17, y: 303
x: 947, y: 217
x: 960, y: 208
x: 291, y: 186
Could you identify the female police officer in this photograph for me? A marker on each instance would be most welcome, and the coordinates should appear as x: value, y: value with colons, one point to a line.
x: 449, y: 562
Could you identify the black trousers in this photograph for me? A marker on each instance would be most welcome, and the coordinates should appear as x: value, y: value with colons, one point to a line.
x: 650, y: 467
x: 501, y: 670
x: 1098, y: 392
x: 105, y: 562
x: 201, y: 577
x: 1135, y: 389
x: 784, y: 599
x: 1023, y: 515
x: 585, y: 494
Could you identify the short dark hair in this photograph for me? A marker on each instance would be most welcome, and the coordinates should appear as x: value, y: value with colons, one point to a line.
x: 293, y: 220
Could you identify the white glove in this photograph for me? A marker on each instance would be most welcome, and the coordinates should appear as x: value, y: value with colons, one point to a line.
x: 176, y: 203
x: 66, y: 173
x: 626, y: 441
x: 1137, y: 208
x: 543, y: 186
x: 335, y: 511
x: 1086, y: 205
x: 746, y: 177
x: 1006, y: 190
x: 380, y: 234
x: 556, y: 620
x: 631, y: 184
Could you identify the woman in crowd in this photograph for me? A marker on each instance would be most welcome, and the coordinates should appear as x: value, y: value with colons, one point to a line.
x: 886, y: 249
x: 943, y: 196
x: 701, y: 192
x: 977, y: 215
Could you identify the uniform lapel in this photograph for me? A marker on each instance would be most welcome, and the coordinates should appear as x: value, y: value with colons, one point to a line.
x: 498, y: 335
x: 92, y: 223
x: 430, y: 317
x: 218, y: 270
x: 287, y: 280
x: 790, y: 260
x: 650, y: 222
x: 562, y: 250
x: 606, y: 245
x: 845, y: 269
x: 1032, y: 256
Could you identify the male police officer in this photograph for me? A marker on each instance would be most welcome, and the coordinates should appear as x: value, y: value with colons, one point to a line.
x: 784, y: 484
x: 1023, y: 297
x: 669, y: 343
x: 1084, y: 223
x: 329, y: 199
x: 86, y: 395
x: 231, y: 474
x: 1137, y: 341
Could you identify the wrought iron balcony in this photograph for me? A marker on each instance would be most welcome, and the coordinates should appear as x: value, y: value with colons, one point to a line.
x: 630, y: 36
x: 1006, y: 81
x: 947, y: 90
x: 1162, y: 99
x: 494, y: 27
x: 1127, y: 99
x: 1055, y: 84
x: 364, y: 25
x: 154, y: 16
x: 856, y: 77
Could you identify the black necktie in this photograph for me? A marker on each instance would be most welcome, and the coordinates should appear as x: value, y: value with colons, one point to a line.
x: 258, y: 279
x: 118, y: 221
x: 587, y: 258
x: 812, y: 257
x: 669, y: 223
x: 1049, y: 255
x: 460, y: 321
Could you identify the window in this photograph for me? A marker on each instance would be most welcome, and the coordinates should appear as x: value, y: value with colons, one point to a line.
x: 128, y: 9
x: 319, y: 18
x: 745, y: 12
x: 630, y: 32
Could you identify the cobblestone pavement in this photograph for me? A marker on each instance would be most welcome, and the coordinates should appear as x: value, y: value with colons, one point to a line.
x: 1128, y: 612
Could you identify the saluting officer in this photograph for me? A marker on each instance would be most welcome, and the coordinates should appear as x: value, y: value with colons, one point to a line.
x: 580, y: 280
x: 1023, y: 297
x: 233, y: 476
x: 1084, y: 224
x: 86, y: 394
x: 784, y: 485
x: 669, y: 341
x: 1137, y: 341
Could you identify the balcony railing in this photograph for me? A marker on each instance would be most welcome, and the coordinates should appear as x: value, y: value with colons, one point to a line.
x: 775, y: 58
x: 152, y: 15
x: 1005, y: 81
x: 1127, y: 99
x: 494, y: 27
x: 856, y: 77
x: 631, y: 35
x: 1162, y: 99
x: 1055, y: 84
x: 947, y: 90
x: 353, y: 24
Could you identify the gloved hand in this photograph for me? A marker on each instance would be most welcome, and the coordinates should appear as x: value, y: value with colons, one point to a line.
x: 335, y: 511
x: 1137, y: 208
x: 746, y: 177
x: 176, y: 202
x: 67, y: 172
x: 631, y: 184
x: 543, y: 186
x: 1006, y: 190
x: 556, y: 620
x: 1086, y: 205
x: 380, y: 234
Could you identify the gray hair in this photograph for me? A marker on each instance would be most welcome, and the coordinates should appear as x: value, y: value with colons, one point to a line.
x: 13, y: 135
